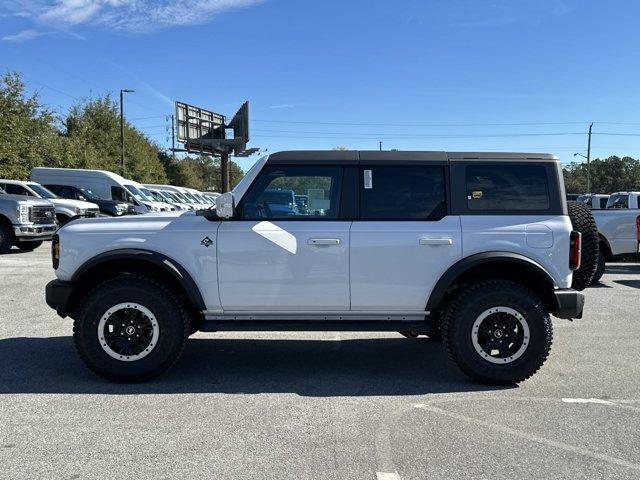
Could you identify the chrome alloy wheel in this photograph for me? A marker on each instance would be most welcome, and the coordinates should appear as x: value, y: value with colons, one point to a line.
x: 500, y: 335
x: 128, y: 332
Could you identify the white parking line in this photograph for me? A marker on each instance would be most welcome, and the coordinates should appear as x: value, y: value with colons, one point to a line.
x: 387, y: 476
x: 587, y: 400
x: 533, y: 438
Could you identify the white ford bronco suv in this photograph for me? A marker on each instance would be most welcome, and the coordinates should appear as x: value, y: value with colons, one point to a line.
x: 474, y: 248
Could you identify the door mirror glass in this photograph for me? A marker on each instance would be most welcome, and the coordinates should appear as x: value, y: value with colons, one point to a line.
x: 225, y: 205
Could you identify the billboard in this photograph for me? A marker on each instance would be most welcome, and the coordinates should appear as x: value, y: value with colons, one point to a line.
x: 199, y: 129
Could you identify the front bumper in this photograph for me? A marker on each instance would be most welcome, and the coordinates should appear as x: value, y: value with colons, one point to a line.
x: 34, y: 232
x: 57, y: 295
x: 570, y: 303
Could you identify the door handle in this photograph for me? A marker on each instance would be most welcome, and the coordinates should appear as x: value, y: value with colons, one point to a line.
x: 436, y: 241
x: 324, y: 241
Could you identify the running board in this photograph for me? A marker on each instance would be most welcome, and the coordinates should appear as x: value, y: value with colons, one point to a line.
x: 314, y: 325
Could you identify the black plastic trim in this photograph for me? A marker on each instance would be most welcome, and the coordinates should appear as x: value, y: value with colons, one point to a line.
x: 570, y: 303
x: 314, y: 325
x: 57, y: 295
x: 457, y: 269
x: 168, y: 264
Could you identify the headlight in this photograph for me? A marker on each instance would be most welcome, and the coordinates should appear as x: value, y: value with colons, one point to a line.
x: 22, y: 213
x: 121, y: 208
x: 80, y: 211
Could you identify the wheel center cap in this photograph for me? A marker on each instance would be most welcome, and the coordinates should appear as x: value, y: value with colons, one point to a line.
x: 130, y: 330
x: 498, y: 333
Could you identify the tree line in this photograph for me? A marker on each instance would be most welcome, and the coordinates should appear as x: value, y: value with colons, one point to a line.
x: 612, y: 174
x: 88, y: 136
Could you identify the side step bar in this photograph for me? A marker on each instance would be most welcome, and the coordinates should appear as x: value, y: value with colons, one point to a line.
x: 313, y: 325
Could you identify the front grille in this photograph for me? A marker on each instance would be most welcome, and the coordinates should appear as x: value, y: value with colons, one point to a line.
x: 42, y: 215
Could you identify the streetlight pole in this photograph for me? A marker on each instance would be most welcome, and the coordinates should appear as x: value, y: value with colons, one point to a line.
x: 588, y: 160
x: 122, y: 92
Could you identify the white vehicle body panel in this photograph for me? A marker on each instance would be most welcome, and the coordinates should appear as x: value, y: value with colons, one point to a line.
x: 287, y: 265
x: 177, y: 238
x: 618, y: 227
x: 543, y: 239
x: 395, y: 265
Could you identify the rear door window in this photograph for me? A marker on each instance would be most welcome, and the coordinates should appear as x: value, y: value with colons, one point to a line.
x: 507, y: 187
x: 403, y: 192
x: 17, y: 190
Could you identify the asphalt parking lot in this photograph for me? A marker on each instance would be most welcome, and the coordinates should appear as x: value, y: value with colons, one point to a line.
x: 318, y: 406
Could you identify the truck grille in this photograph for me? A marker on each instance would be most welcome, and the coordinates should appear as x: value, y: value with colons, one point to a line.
x: 42, y: 215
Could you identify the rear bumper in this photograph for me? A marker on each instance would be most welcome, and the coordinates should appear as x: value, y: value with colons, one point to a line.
x: 34, y: 232
x: 570, y: 303
x: 57, y: 295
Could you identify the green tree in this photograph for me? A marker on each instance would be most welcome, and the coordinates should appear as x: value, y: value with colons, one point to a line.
x: 94, y: 126
x: 608, y: 175
x: 27, y: 129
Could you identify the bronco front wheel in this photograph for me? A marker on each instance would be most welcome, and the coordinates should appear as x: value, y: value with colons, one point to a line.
x: 130, y: 329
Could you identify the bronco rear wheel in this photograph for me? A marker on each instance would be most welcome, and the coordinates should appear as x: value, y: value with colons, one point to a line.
x: 130, y: 329
x: 497, y: 332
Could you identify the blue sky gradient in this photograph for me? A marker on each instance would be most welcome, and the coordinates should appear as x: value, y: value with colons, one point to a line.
x: 415, y: 74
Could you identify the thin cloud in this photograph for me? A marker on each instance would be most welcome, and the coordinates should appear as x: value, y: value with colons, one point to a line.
x: 282, y: 106
x: 23, y: 36
x: 137, y: 16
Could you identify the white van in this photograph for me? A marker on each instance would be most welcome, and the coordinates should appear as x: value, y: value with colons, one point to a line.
x: 105, y: 184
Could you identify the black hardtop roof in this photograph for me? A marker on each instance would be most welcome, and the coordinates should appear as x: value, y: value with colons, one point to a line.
x: 357, y: 156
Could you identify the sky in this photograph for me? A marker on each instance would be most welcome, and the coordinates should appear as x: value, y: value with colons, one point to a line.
x: 527, y: 75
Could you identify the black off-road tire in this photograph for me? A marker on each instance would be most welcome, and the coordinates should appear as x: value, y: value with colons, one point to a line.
x: 28, y: 246
x: 6, y: 238
x: 62, y: 220
x: 583, y: 222
x: 469, y: 304
x: 600, y: 268
x: 164, y: 304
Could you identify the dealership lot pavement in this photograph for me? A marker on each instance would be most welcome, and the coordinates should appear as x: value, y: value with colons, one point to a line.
x: 318, y: 406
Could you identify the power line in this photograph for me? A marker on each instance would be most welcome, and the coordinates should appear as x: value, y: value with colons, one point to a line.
x: 367, y: 136
x: 389, y: 124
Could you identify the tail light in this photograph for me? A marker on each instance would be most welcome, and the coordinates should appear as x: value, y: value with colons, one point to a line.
x: 55, y: 251
x: 575, y: 250
x: 638, y: 228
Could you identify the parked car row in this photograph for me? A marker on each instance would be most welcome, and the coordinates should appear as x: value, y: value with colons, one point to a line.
x: 32, y: 210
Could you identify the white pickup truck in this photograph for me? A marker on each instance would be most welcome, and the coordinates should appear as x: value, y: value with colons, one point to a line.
x: 618, y: 228
x: 475, y: 248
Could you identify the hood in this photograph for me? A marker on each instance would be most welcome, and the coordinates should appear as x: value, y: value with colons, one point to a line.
x: 129, y: 225
x: 39, y: 202
x: 65, y: 202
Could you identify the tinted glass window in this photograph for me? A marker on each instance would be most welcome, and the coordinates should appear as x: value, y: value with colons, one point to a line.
x: 278, y: 190
x: 615, y: 201
x: 402, y: 192
x: 17, y: 190
x: 507, y: 187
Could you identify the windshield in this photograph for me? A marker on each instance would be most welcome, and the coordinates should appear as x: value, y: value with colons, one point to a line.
x: 170, y: 196
x: 137, y: 194
x: 41, y: 191
x: 191, y: 198
x: 180, y: 196
x: 88, y: 193
x: 155, y: 195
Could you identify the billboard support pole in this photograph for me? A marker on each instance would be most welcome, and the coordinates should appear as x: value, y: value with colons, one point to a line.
x: 224, y: 170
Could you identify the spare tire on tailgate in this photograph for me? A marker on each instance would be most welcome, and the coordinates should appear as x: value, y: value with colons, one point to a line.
x: 583, y: 222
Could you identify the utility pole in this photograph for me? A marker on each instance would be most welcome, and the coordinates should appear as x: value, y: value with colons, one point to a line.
x: 589, y: 160
x: 380, y: 142
x: 224, y: 170
x: 122, y: 92
x: 173, y: 137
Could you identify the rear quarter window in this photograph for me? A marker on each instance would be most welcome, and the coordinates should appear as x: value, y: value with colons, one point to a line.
x: 507, y: 188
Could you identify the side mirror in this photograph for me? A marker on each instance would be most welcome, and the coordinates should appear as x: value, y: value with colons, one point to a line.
x: 225, y: 205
